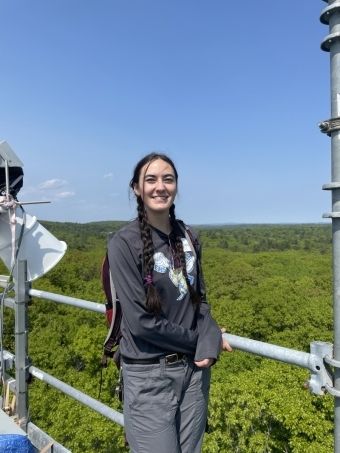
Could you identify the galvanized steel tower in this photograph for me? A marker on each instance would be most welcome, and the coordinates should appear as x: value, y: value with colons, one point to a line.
x: 331, y: 43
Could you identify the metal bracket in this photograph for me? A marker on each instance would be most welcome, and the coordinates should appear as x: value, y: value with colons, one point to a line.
x: 321, y: 382
x: 329, y: 388
x: 331, y: 186
x: 332, y: 391
x: 322, y: 376
x: 329, y: 126
x: 332, y: 361
x: 331, y: 215
x: 328, y: 11
x: 329, y: 40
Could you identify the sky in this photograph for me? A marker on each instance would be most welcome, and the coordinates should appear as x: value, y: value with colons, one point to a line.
x: 231, y: 91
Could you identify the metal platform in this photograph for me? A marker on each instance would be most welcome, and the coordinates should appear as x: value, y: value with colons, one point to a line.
x: 8, y: 426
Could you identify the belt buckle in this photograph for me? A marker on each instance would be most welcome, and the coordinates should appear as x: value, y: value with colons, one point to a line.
x: 171, y: 358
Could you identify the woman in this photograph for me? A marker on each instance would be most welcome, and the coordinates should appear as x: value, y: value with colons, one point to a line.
x: 169, y: 337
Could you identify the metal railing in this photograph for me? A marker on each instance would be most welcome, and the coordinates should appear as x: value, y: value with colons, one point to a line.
x: 318, y: 361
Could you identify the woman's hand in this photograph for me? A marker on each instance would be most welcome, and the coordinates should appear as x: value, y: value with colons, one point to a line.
x: 225, y: 346
x: 206, y: 363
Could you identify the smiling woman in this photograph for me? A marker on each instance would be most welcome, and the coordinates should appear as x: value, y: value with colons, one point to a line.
x: 157, y: 188
x: 169, y: 339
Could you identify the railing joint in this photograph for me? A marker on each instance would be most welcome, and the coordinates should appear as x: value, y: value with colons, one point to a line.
x: 332, y: 362
x: 332, y: 391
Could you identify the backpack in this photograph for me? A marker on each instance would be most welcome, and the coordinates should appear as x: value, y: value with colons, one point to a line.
x: 112, y: 305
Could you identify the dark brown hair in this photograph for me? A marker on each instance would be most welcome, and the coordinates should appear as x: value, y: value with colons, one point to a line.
x: 154, y: 303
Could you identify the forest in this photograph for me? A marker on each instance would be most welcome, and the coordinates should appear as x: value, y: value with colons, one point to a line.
x: 272, y: 283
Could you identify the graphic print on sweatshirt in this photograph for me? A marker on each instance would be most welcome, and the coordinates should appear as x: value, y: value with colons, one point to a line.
x: 162, y: 264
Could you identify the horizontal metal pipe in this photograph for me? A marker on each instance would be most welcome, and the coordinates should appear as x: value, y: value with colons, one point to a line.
x: 101, y: 408
x: 9, y: 359
x: 39, y: 439
x: 79, y: 303
x: 271, y: 351
x: 9, y: 302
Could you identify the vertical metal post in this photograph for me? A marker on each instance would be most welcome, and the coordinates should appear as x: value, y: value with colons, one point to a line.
x: 331, y: 15
x: 335, y: 147
x: 22, y: 362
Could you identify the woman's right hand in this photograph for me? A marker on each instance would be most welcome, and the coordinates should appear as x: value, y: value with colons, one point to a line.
x: 206, y: 363
x: 225, y: 346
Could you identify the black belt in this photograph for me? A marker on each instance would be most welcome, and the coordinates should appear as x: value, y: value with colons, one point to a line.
x: 170, y: 359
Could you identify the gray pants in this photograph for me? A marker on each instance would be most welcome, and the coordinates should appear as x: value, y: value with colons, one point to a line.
x: 165, y: 406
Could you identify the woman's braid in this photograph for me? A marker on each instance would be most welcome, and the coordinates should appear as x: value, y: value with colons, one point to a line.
x: 153, y: 300
x: 195, y: 298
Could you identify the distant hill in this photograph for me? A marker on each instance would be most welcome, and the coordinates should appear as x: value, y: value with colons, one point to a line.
x: 89, y: 229
x: 100, y: 229
x: 207, y: 226
x: 222, y: 226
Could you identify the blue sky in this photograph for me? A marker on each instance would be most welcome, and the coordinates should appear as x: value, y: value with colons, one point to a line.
x: 232, y: 91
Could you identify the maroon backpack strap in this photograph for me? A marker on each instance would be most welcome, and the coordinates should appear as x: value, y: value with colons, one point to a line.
x: 113, y: 312
x: 108, y: 286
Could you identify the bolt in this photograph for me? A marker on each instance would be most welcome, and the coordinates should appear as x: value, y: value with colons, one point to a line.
x: 324, y: 126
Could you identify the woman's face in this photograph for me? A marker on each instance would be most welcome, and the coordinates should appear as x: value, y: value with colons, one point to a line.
x: 157, y: 186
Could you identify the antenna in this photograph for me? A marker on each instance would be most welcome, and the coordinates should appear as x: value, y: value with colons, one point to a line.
x: 21, y: 235
x: 8, y: 158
